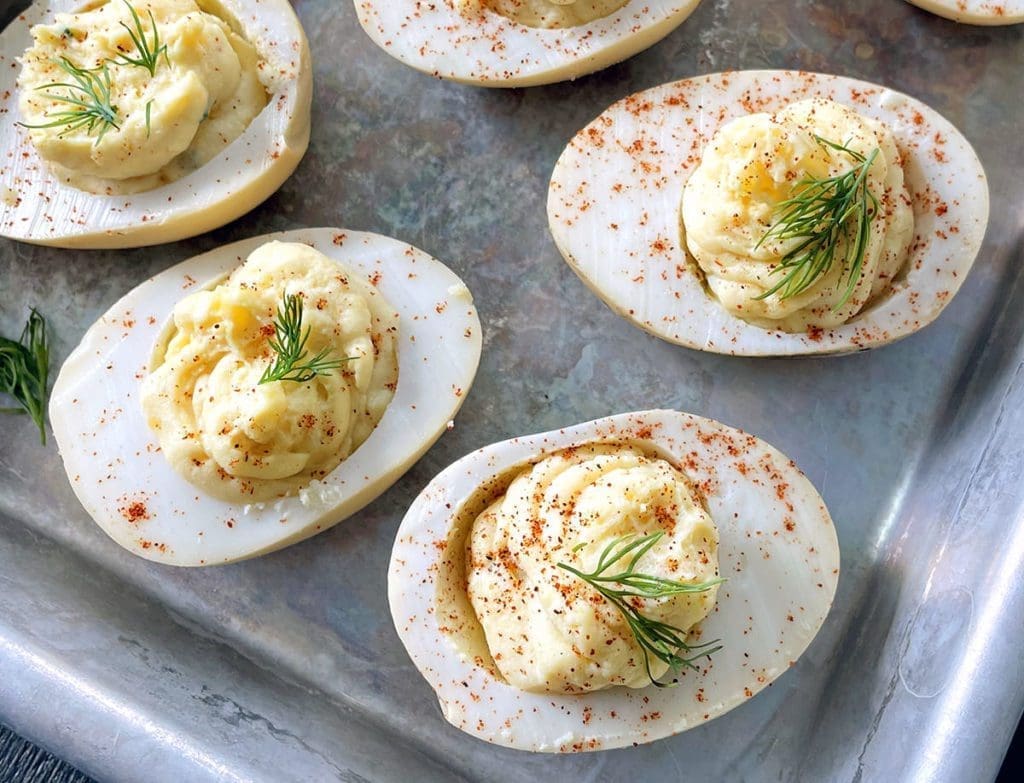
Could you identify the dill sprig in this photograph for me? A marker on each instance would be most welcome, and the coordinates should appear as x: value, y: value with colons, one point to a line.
x: 24, y: 370
x: 88, y: 98
x: 656, y: 638
x: 291, y: 363
x: 148, y: 53
x: 820, y: 214
x: 88, y: 94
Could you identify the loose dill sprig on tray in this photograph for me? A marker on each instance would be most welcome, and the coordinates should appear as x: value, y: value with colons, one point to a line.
x: 820, y: 214
x: 291, y: 363
x: 88, y: 99
x: 148, y: 53
x: 656, y: 638
x: 24, y: 371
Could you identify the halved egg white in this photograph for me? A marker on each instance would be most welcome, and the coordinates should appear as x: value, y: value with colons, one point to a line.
x: 35, y: 207
x: 981, y: 12
x: 614, y: 200
x: 777, y: 549
x: 488, y: 49
x: 125, y: 483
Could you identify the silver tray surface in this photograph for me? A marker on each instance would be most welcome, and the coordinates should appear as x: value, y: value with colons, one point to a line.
x: 288, y: 667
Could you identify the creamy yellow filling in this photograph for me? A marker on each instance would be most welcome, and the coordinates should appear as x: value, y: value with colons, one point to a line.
x: 732, y: 199
x: 203, y: 92
x: 546, y: 13
x: 245, y: 441
x: 546, y: 629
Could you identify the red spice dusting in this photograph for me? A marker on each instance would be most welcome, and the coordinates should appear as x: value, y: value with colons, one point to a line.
x: 536, y: 529
x: 135, y: 512
x: 666, y: 519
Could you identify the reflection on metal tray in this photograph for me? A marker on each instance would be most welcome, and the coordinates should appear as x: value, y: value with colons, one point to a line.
x: 288, y: 668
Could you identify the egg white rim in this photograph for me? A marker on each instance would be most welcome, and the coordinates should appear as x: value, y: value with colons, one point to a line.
x: 787, y: 609
x: 979, y: 12
x: 492, y: 51
x: 632, y: 257
x: 36, y: 208
x: 100, y: 428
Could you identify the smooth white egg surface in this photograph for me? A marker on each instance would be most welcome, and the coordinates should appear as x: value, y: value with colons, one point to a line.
x: 777, y: 550
x: 982, y: 12
x: 156, y: 117
x: 123, y: 479
x: 615, y: 195
x: 467, y: 41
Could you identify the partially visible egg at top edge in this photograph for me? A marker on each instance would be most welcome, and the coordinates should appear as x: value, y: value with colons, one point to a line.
x: 482, y: 42
x: 225, y: 495
x: 154, y: 169
x: 777, y: 554
x: 977, y: 12
x: 614, y: 209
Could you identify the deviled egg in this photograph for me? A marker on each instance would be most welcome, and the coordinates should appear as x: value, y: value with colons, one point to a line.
x: 611, y: 583
x: 771, y: 212
x: 257, y: 394
x: 981, y: 12
x: 518, y: 43
x: 135, y: 123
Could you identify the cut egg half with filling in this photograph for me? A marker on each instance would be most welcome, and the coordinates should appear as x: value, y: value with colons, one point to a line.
x: 625, y: 189
x: 184, y: 454
x: 980, y: 12
x: 777, y: 556
x: 132, y: 124
x: 518, y: 43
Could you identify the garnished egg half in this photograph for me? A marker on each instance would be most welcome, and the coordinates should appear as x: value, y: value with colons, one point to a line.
x: 518, y: 43
x: 127, y: 485
x: 981, y: 12
x: 615, y: 195
x: 777, y: 552
x: 37, y: 206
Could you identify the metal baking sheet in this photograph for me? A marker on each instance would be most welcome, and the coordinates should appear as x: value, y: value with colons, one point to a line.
x: 288, y: 667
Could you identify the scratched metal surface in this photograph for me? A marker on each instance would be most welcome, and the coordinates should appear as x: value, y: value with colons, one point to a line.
x: 288, y: 668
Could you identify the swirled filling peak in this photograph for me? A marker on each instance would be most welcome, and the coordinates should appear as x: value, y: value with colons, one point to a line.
x: 546, y: 13
x: 270, y: 379
x: 547, y: 628
x: 799, y: 219
x: 126, y: 96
